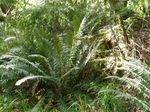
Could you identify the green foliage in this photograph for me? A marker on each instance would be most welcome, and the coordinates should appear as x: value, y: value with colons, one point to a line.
x: 80, y: 105
x: 56, y: 61
x: 6, y: 103
x: 45, y: 52
x: 107, y: 101
x: 138, y: 81
x: 8, y: 1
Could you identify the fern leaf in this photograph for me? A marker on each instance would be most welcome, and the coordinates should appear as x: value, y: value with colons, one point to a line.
x: 142, y: 104
x: 81, y: 28
x: 134, y: 83
x: 23, y: 60
x: 54, y: 80
x: 72, y: 69
x: 92, y: 50
x: 45, y: 60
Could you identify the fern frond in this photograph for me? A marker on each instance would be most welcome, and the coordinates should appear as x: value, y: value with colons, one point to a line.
x: 52, y: 79
x: 13, y: 58
x: 137, y: 69
x: 140, y: 103
x: 139, y: 81
x: 45, y: 62
x: 92, y: 50
x: 81, y: 27
x: 134, y: 83
x: 72, y: 69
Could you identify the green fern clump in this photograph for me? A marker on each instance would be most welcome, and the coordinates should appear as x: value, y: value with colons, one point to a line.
x: 48, y: 64
x: 46, y: 61
x: 138, y: 82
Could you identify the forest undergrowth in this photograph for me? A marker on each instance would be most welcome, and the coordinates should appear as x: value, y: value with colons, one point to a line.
x: 75, y: 56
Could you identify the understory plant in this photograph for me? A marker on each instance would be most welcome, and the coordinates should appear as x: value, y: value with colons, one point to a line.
x: 136, y: 85
x: 45, y: 51
x: 45, y: 65
x: 44, y: 55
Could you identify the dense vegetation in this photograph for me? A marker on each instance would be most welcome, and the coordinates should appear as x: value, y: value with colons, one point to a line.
x: 74, y: 56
